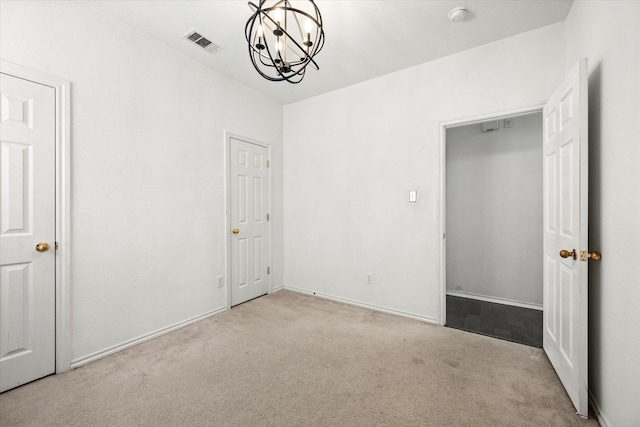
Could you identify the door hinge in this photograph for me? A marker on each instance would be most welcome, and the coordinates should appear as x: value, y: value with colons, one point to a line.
x: 268, y: 217
x: 268, y: 163
x: 268, y: 270
x: 56, y: 246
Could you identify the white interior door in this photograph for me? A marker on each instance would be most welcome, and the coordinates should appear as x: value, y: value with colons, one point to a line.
x: 27, y: 218
x: 248, y: 212
x: 565, y: 157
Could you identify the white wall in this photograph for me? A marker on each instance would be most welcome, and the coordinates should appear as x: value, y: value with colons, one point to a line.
x: 608, y: 34
x: 148, y: 169
x: 148, y: 174
x: 351, y: 157
x: 494, y: 210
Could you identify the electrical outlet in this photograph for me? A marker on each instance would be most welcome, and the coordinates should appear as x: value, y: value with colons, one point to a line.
x: 220, y: 281
x: 369, y: 278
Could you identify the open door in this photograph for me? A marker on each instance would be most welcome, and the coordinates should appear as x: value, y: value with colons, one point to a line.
x: 565, y: 201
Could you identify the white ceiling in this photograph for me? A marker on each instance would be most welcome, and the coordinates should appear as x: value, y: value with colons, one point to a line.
x: 364, y: 39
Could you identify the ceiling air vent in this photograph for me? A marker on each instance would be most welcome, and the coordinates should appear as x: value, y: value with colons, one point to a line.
x: 203, y: 42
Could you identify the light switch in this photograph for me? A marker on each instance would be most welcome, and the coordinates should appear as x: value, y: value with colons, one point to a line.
x: 413, y: 196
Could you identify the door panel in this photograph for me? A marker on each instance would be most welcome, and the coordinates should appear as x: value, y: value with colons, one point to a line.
x: 248, y: 213
x: 27, y: 217
x: 565, y: 227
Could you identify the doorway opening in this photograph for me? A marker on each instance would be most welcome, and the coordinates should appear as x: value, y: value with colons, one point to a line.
x: 493, y: 215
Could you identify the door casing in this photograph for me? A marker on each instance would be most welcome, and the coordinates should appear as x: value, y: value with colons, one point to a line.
x: 63, y: 204
x: 227, y: 230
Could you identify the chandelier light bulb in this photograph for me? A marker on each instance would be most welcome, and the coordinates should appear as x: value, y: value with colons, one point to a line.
x: 278, y: 30
x: 278, y: 47
x: 307, y: 37
x: 260, y: 44
x: 278, y: 15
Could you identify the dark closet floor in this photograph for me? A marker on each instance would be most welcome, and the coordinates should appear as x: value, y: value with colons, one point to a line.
x: 521, y: 325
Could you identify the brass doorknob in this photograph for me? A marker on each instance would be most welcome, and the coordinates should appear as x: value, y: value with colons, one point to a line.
x: 42, y: 247
x: 235, y: 231
x: 566, y: 254
x: 594, y: 255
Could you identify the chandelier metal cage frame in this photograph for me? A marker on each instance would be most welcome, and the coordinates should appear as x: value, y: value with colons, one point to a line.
x: 274, y: 51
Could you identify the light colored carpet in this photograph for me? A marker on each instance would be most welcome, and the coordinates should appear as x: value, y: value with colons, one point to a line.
x: 295, y: 360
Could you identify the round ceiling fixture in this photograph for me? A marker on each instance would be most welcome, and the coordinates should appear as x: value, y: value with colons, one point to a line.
x: 283, y: 40
x: 458, y: 14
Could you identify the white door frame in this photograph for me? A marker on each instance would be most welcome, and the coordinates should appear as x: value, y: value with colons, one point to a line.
x: 227, y: 230
x: 63, y: 204
x: 442, y: 226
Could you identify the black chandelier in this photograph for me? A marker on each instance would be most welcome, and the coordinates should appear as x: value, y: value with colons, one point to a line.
x: 283, y: 40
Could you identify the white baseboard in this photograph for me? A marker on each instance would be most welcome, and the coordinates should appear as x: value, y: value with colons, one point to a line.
x: 362, y: 304
x: 142, y: 338
x: 602, y: 419
x: 495, y: 300
x: 277, y: 288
